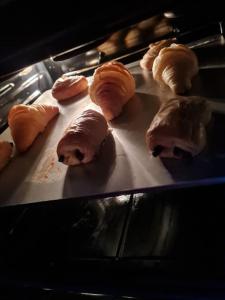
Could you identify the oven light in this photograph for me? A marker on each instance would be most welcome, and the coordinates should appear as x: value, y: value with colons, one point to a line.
x: 92, y: 294
x: 6, y: 88
x: 26, y: 71
x: 31, y: 80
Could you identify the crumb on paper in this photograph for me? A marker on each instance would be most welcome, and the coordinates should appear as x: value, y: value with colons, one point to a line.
x: 48, y: 170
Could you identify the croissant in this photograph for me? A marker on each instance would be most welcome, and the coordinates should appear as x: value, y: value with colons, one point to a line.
x: 6, y: 149
x: 112, y: 87
x: 179, y: 128
x: 82, y: 139
x: 66, y: 87
x: 27, y: 121
x: 153, y: 51
x: 175, y: 66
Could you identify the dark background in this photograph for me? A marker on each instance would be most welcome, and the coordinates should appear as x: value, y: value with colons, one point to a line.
x: 35, y: 30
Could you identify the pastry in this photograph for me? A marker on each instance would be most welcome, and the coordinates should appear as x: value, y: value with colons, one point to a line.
x: 27, y: 121
x: 66, y: 87
x: 153, y: 51
x: 175, y: 66
x: 112, y: 87
x: 179, y: 128
x: 82, y: 139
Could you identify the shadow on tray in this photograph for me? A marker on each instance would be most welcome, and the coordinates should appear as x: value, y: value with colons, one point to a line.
x: 137, y: 113
x: 210, y: 163
x: 209, y: 83
x: 95, y: 174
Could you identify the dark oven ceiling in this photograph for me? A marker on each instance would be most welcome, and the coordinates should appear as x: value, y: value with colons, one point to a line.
x: 32, y: 31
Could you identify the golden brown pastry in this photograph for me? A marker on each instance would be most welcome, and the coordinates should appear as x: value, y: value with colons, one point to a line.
x: 178, y: 129
x: 154, y: 48
x: 82, y: 139
x: 175, y: 66
x: 27, y: 121
x: 6, y: 149
x: 112, y: 44
x: 67, y: 87
x: 112, y: 87
x: 133, y: 37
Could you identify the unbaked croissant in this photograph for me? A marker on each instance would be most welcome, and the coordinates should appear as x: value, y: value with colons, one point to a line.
x: 27, y: 121
x: 112, y: 87
x: 178, y: 129
x: 66, y: 87
x: 6, y: 149
x: 153, y: 51
x: 82, y: 139
x: 175, y: 66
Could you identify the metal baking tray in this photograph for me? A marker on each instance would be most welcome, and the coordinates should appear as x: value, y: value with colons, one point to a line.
x: 123, y: 164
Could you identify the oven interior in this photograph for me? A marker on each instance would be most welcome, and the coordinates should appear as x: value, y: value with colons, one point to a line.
x: 165, y: 244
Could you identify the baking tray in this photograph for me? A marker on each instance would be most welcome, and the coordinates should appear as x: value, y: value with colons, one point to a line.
x: 124, y: 164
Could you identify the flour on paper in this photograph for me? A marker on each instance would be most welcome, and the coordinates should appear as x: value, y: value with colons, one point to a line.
x: 49, y: 169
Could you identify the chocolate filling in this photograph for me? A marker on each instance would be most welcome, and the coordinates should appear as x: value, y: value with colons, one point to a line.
x: 157, y: 150
x: 79, y: 155
x: 61, y: 158
x: 182, y: 153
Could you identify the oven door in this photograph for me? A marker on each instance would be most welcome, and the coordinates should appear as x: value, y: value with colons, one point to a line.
x: 162, y: 245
